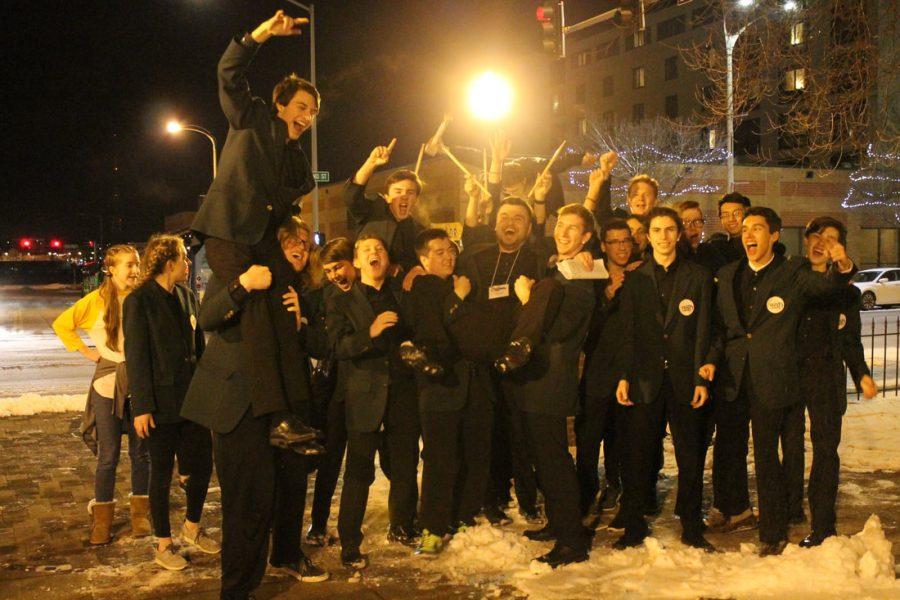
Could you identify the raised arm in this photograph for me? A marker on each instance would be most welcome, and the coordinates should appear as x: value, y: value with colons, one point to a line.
x: 599, y: 196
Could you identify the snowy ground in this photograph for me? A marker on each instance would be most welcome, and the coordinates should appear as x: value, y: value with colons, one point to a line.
x: 482, y: 562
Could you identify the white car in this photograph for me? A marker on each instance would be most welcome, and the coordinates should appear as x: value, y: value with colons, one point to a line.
x: 879, y: 286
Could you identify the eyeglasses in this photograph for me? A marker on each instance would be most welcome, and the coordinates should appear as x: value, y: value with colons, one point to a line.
x: 735, y: 215
x: 695, y: 223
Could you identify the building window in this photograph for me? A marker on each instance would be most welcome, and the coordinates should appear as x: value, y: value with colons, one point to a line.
x: 580, y: 93
x: 582, y: 126
x: 711, y: 138
x: 672, y: 106
x: 608, y: 86
x: 671, y: 68
x: 670, y: 27
x: 637, y: 112
x: 797, y: 35
x: 639, y: 38
x: 795, y: 79
x: 637, y: 78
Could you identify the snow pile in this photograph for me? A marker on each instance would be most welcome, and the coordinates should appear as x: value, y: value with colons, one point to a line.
x: 32, y: 404
x: 843, y: 567
x: 871, y: 436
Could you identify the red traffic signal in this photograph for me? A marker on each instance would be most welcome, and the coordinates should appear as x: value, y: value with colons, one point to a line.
x: 26, y: 244
x: 56, y: 244
x: 548, y: 16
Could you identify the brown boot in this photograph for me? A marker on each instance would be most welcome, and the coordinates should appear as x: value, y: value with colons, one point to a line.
x: 140, y: 521
x: 102, y: 513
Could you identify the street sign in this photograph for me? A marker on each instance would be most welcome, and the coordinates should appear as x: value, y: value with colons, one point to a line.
x: 322, y: 176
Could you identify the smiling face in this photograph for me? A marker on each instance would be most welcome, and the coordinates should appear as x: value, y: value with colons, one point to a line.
x: 693, y: 225
x: 341, y: 273
x: 126, y: 271
x: 298, y: 114
x: 401, y: 198
x: 641, y: 198
x: 570, y: 235
x: 296, y: 250
x: 513, y: 226
x: 617, y: 245
x: 757, y: 239
x: 731, y: 214
x: 663, y: 236
x: 371, y: 259
x: 817, y: 245
x: 440, y: 258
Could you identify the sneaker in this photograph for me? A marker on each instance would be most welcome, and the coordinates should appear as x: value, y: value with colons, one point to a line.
x: 169, y: 559
x: 430, y: 545
x: 352, y: 559
x: 316, y: 537
x: 496, y: 516
x: 408, y: 536
x: 563, y: 555
x: 302, y: 570
x: 201, y: 541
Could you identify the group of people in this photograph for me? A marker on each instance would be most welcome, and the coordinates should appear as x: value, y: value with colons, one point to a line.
x: 402, y: 343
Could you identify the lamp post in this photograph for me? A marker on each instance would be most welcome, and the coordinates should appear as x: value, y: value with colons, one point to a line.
x: 314, y: 134
x: 174, y: 127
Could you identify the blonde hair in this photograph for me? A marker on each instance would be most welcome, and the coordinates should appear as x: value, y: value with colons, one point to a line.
x: 643, y: 178
x: 313, y: 274
x: 112, y: 318
x: 160, y: 249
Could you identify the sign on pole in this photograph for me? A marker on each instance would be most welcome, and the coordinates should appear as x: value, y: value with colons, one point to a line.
x: 322, y: 176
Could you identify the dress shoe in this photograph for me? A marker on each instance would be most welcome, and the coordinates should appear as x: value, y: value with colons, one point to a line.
x: 302, y: 570
x: 416, y: 359
x: 773, y: 549
x: 408, y: 536
x: 496, y: 516
x: 544, y: 534
x: 815, y: 539
x: 695, y: 539
x: 291, y: 431
x: 563, y: 555
x: 516, y: 355
x: 629, y: 540
x: 316, y: 537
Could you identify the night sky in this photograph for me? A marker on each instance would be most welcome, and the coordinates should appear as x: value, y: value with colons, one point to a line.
x: 89, y: 88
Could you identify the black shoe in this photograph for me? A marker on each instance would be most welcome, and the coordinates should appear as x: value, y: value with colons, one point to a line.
x: 797, y: 519
x: 815, y: 539
x: 540, y: 535
x: 352, y: 559
x: 408, y: 536
x: 563, y: 555
x: 773, y: 549
x: 695, y: 539
x: 609, y: 499
x: 653, y: 510
x: 629, y: 540
x: 617, y: 524
x: 290, y: 431
x: 532, y: 516
x: 416, y: 359
x: 302, y: 570
x: 311, y: 448
x: 316, y: 537
x: 516, y: 355
x: 496, y: 516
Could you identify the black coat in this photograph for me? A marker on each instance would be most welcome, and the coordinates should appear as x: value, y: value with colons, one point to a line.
x: 160, y: 352
x: 603, y: 344
x: 259, y: 175
x: 372, y: 215
x: 675, y: 340
x: 769, y: 341
x: 363, y: 367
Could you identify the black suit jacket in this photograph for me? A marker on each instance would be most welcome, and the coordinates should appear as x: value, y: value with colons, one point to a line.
x: 548, y: 384
x: 675, y: 339
x: 372, y: 215
x: 602, y: 346
x: 160, y: 352
x: 363, y: 364
x: 769, y: 340
x: 259, y: 175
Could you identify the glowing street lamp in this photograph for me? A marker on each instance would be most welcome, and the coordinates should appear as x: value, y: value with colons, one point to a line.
x: 174, y: 128
x: 490, y: 97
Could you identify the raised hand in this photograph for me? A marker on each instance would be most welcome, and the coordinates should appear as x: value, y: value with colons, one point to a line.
x: 542, y: 188
x: 279, y: 25
x: 608, y: 161
x: 380, y: 155
x: 500, y: 145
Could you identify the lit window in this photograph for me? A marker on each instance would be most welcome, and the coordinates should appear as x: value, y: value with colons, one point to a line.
x: 711, y: 136
x: 797, y: 36
x: 795, y: 79
x: 638, y: 77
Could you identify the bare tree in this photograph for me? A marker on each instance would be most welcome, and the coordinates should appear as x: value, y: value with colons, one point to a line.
x: 674, y: 153
x: 877, y: 184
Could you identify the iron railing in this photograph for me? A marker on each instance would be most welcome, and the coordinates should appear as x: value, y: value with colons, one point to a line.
x: 881, y: 345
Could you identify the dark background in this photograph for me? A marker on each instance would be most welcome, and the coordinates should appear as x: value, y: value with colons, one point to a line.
x: 90, y: 86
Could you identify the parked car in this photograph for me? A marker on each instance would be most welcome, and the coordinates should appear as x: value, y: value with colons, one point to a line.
x: 879, y: 286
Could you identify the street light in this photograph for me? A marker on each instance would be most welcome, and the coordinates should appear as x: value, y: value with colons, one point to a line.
x: 314, y: 132
x: 174, y: 128
x: 490, y: 96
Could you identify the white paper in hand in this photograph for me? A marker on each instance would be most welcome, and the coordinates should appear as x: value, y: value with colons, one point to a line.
x: 573, y: 268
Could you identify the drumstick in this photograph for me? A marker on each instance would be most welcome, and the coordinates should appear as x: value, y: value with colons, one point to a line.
x: 547, y: 168
x: 463, y: 169
x: 484, y: 165
x: 419, y: 160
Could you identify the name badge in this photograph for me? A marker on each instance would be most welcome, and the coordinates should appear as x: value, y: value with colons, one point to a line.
x: 775, y: 304
x: 842, y: 321
x: 498, y: 291
x: 686, y: 307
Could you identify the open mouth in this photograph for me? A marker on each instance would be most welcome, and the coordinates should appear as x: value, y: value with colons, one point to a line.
x: 509, y: 231
x: 374, y: 261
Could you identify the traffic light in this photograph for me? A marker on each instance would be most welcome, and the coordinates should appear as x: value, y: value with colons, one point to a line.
x: 55, y: 244
x: 548, y: 15
x: 626, y: 12
x: 26, y: 244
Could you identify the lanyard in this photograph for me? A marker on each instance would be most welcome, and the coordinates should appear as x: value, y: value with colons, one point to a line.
x: 497, y: 266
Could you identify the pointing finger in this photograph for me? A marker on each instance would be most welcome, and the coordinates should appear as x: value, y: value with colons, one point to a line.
x: 390, y: 147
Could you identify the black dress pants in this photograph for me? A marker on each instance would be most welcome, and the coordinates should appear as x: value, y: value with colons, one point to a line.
x: 771, y: 426
x: 245, y: 465
x: 270, y: 342
x: 688, y: 426
x: 731, y: 492
x: 456, y: 461
x: 596, y: 423
x: 291, y: 480
x: 401, y: 430
x: 548, y: 438
x: 329, y: 465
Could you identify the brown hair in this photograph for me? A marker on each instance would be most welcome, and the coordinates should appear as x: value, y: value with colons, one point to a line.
x: 587, y: 219
x: 643, y: 178
x: 684, y: 205
x: 312, y: 274
x: 665, y: 212
x: 160, y: 249
x: 404, y: 175
x: 288, y: 87
x: 336, y: 250
x: 112, y: 319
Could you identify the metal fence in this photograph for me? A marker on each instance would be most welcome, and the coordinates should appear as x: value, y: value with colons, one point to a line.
x: 881, y: 344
